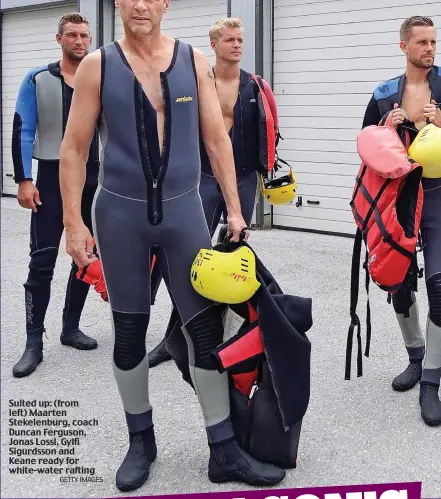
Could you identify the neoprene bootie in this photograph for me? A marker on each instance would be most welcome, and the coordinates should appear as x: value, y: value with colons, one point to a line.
x: 430, y: 403
x: 32, y: 355
x: 135, y: 468
x: 409, y: 378
x: 77, y: 339
x: 159, y: 354
x: 229, y: 463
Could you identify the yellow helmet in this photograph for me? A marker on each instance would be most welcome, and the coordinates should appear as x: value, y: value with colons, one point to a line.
x: 225, y: 277
x: 426, y: 150
x: 280, y: 190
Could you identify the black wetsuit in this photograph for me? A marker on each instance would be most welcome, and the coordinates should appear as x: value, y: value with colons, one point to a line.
x: 40, y: 119
x: 429, y: 352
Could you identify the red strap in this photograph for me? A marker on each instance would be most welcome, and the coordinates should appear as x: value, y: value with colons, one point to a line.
x: 249, y: 345
x: 244, y: 382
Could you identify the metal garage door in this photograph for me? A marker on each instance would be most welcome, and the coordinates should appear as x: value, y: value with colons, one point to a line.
x: 28, y: 41
x: 328, y: 58
x: 188, y: 20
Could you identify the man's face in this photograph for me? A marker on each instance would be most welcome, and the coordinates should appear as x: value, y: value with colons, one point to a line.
x: 421, y: 47
x: 229, y: 45
x: 75, y: 41
x: 141, y: 17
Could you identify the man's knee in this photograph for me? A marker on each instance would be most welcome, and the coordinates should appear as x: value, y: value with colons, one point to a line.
x: 434, y: 295
x: 205, y: 333
x: 130, y: 332
x: 42, y: 265
x: 402, y: 300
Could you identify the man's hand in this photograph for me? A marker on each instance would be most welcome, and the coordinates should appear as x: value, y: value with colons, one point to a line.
x: 433, y: 113
x: 28, y: 195
x: 79, y: 245
x: 398, y: 116
x: 236, y: 225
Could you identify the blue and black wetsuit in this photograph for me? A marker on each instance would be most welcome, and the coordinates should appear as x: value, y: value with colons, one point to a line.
x: 148, y: 203
x: 424, y: 356
x: 40, y: 119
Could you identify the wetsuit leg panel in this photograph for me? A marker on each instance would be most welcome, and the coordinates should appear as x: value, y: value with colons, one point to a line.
x: 212, y: 201
x: 45, y: 236
x: 120, y: 226
x: 77, y: 290
x: 202, y: 321
x: 248, y: 190
x: 404, y: 300
x: 431, y: 235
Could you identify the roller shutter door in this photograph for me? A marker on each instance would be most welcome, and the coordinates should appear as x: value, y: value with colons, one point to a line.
x: 328, y: 58
x: 28, y: 41
x: 188, y: 20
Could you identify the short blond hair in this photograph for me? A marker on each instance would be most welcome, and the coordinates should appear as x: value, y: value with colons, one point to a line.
x: 228, y: 22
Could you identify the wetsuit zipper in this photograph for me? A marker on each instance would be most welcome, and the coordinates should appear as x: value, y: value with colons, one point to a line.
x: 164, y: 145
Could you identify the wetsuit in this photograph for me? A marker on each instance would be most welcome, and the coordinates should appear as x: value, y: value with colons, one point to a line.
x: 424, y: 357
x: 244, y: 135
x: 143, y: 206
x: 41, y: 114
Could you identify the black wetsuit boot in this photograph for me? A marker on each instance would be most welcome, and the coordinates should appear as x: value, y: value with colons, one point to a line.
x: 409, y: 377
x: 430, y: 403
x: 135, y: 468
x: 32, y: 355
x: 229, y: 463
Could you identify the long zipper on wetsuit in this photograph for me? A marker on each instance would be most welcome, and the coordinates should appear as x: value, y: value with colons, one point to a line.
x: 155, y: 180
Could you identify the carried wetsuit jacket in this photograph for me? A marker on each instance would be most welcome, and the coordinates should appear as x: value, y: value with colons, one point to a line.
x: 382, y: 102
x: 40, y: 119
x: 246, y: 129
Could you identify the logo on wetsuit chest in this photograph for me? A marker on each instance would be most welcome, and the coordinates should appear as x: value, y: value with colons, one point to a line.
x: 184, y: 99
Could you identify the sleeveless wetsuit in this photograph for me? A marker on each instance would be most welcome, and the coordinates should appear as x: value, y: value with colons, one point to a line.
x: 382, y: 101
x: 149, y: 205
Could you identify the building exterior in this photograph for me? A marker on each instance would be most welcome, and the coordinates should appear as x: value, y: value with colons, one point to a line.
x: 323, y: 59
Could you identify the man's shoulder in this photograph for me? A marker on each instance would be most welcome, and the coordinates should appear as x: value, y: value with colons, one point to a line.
x: 387, y: 88
x: 34, y: 72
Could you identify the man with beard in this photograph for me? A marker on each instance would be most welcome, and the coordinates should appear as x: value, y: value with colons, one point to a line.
x: 413, y: 98
x: 40, y: 119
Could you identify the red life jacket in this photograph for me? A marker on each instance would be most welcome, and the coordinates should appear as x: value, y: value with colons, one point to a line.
x: 386, y: 204
x: 267, y: 133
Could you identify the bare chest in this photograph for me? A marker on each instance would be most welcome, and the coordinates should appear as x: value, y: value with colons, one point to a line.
x: 148, y: 76
x: 414, y: 100
x: 227, y: 95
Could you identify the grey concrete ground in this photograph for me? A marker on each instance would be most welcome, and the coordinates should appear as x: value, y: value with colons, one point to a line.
x: 355, y: 432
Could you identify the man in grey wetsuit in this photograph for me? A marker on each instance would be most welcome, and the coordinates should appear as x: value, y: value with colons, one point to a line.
x: 145, y: 88
x: 412, y: 97
x: 237, y: 93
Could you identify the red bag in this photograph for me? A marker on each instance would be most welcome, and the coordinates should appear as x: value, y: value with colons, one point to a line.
x: 387, y: 205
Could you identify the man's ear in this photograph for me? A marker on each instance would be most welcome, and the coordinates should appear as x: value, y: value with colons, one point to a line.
x: 117, y: 4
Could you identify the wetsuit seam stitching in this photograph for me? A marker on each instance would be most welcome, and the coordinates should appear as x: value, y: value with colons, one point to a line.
x: 191, y: 318
x: 143, y: 200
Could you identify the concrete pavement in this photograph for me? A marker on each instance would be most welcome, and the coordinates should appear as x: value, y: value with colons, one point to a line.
x: 354, y: 432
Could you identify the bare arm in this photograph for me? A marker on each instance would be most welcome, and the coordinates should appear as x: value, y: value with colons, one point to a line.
x: 215, y: 137
x: 74, y: 153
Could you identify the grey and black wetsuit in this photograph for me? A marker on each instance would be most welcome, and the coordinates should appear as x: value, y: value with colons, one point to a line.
x: 150, y: 204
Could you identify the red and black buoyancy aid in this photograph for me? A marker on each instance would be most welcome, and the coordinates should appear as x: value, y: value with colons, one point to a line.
x: 387, y: 205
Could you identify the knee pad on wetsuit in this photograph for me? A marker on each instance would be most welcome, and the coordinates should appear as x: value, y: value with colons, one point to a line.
x: 41, y: 266
x: 130, y: 332
x: 402, y: 300
x: 205, y: 332
x: 434, y: 294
